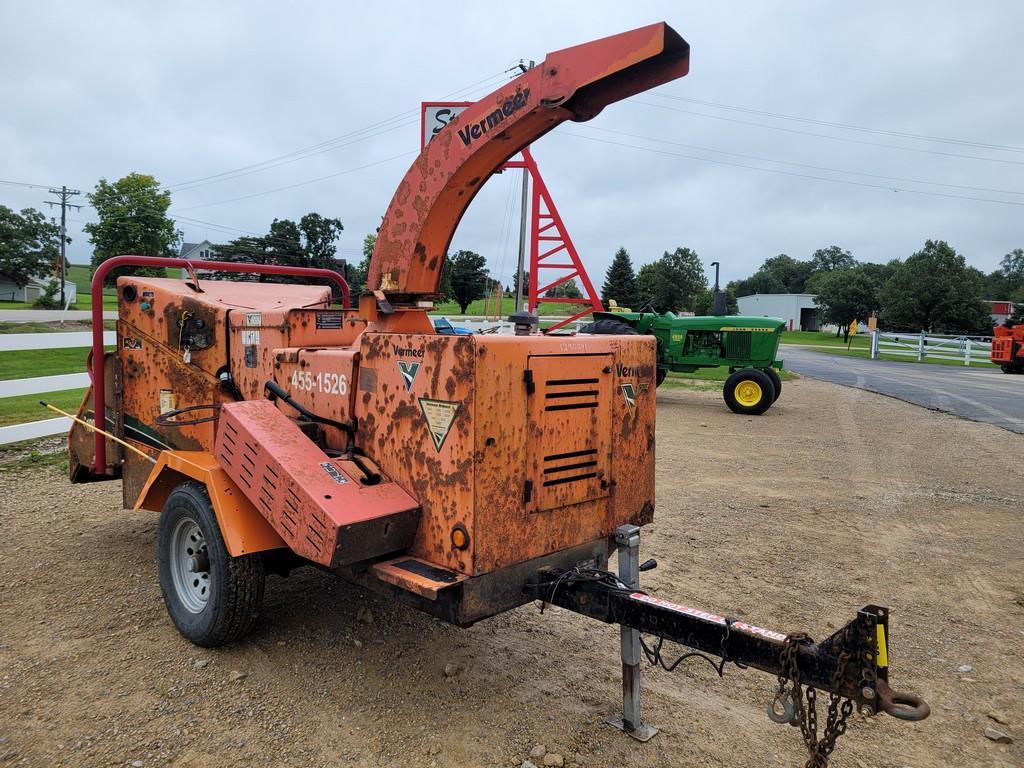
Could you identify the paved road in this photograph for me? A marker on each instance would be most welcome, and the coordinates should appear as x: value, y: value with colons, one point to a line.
x: 971, y: 393
x: 49, y: 315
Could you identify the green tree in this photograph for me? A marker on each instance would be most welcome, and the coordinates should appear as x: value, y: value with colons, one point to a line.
x: 309, y: 243
x: 620, y: 281
x: 132, y: 219
x: 320, y: 236
x: 705, y: 302
x: 29, y: 245
x: 566, y: 290
x: 831, y: 258
x: 934, y: 290
x: 847, y: 294
x: 1012, y: 267
x: 672, y: 283
x: 778, y: 274
x: 469, y: 278
x: 356, y: 273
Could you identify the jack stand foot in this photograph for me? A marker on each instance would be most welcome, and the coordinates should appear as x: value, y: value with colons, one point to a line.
x: 643, y: 733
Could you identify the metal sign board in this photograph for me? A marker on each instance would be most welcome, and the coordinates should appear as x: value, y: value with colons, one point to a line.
x: 435, y: 115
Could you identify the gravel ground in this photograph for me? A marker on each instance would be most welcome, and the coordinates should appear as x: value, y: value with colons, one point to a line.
x: 834, y: 498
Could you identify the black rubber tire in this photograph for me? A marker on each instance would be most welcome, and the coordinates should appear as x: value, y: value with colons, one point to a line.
x: 609, y: 328
x: 762, y: 381
x: 660, y: 375
x: 776, y: 381
x: 236, y: 583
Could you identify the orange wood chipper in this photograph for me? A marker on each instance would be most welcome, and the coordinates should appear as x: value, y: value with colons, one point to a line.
x: 465, y: 475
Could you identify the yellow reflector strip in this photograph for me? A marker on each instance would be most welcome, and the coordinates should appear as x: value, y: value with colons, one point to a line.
x: 883, y: 655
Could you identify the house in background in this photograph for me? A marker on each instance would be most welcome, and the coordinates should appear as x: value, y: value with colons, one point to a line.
x: 35, y: 288
x: 1001, y: 311
x: 196, y: 252
x: 798, y: 310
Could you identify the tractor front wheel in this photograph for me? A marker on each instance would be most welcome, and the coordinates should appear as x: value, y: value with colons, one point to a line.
x: 776, y: 381
x: 212, y: 598
x: 749, y: 391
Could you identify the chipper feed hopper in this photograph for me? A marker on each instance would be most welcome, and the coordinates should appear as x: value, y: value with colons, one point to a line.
x: 465, y: 475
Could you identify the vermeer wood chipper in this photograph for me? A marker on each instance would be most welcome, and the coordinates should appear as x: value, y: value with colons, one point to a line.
x: 465, y: 475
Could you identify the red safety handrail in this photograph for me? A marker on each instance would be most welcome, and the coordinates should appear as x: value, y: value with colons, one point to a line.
x: 98, y: 372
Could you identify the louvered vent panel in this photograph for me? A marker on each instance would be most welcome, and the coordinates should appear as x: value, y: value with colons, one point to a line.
x: 570, y: 430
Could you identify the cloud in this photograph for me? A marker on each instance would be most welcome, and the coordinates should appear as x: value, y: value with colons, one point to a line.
x: 189, y: 90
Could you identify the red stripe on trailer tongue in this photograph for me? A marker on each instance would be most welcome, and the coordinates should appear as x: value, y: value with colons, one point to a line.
x: 713, y: 617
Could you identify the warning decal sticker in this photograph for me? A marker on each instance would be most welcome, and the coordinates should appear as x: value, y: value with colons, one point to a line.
x: 630, y: 396
x: 408, y: 371
x: 440, y: 415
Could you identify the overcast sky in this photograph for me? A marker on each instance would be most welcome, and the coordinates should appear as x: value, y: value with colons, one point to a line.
x: 184, y: 91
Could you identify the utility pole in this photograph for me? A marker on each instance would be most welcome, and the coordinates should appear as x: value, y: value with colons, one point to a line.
x: 523, y: 213
x: 63, y: 195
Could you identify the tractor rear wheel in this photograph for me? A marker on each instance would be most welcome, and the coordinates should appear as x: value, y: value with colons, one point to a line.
x: 776, y: 381
x: 749, y: 391
x: 212, y: 598
x: 609, y: 328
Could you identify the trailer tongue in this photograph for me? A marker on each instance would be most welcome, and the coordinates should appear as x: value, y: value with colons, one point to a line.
x: 851, y: 665
x: 464, y: 475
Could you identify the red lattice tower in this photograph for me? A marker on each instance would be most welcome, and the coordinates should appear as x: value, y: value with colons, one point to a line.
x: 551, y: 248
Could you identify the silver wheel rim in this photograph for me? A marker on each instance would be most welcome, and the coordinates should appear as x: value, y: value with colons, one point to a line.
x: 189, y: 565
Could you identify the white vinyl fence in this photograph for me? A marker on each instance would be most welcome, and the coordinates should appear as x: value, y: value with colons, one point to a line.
x: 921, y: 346
x: 17, y: 342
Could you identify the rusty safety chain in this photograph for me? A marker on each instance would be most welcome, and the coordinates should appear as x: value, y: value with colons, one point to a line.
x: 806, y: 717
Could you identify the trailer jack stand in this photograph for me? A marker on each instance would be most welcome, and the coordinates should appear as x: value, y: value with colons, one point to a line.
x: 627, y: 538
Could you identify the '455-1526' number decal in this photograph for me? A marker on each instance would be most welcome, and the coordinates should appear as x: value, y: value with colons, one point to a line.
x: 329, y: 383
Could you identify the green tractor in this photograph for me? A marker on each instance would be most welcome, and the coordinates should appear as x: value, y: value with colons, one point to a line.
x: 747, y: 345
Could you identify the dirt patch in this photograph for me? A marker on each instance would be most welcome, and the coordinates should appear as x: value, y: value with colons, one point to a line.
x: 832, y: 499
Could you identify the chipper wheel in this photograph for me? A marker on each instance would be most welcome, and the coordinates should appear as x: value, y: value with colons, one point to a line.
x: 749, y: 391
x: 212, y: 597
x: 776, y: 381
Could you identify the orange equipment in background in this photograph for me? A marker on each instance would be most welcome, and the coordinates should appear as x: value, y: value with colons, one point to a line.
x: 1008, y: 347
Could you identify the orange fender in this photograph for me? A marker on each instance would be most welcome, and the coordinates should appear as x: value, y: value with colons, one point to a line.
x: 245, y: 531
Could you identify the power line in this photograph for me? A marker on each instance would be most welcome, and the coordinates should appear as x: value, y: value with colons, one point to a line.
x: 827, y: 136
x: 25, y: 184
x: 407, y: 116
x: 843, y: 126
x: 793, y: 173
x: 805, y: 165
x: 297, y: 184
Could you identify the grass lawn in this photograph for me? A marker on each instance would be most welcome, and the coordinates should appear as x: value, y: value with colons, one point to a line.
x: 81, y: 276
x: 41, y: 362
x: 52, y: 327
x: 26, y: 408
x: 865, y: 354
x: 706, y: 379
x: 33, y: 458
x: 817, y: 339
